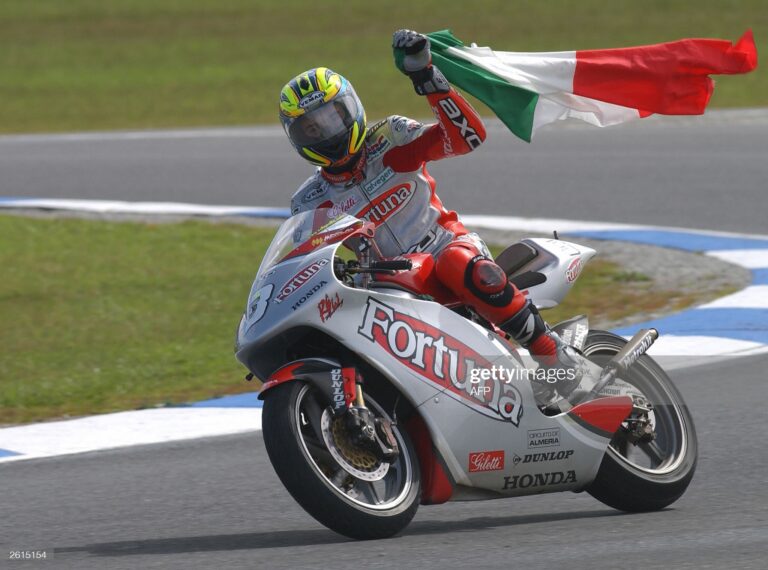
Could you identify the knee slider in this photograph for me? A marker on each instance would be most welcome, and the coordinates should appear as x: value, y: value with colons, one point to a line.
x: 487, y: 281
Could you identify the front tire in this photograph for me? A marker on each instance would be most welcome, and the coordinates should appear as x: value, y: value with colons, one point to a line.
x: 293, y: 421
x: 645, y: 477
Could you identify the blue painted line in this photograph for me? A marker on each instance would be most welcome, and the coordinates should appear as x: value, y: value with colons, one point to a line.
x: 760, y: 276
x: 281, y: 213
x: 249, y: 400
x: 742, y: 324
x: 676, y: 240
x: 8, y: 453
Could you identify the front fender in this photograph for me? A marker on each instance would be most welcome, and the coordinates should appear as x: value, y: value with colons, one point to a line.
x: 335, y: 382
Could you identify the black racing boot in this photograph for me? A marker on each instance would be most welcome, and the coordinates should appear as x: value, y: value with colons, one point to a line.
x: 559, y: 368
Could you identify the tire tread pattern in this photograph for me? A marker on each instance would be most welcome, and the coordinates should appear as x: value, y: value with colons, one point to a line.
x: 616, y: 485
x: 299, y: 478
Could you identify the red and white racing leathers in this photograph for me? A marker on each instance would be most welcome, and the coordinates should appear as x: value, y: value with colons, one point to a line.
x: 391, y: 187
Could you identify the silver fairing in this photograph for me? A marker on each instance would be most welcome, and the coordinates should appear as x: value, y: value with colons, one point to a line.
x: 561, y: 262
x: 490, y: 433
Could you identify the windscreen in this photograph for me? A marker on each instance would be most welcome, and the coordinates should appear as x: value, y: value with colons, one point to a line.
x: 305, y: 232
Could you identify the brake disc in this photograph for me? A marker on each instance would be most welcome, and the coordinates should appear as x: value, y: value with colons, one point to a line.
x: 356, y: 461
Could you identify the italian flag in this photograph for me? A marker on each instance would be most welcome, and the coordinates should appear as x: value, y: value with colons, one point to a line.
x: 601, y: 87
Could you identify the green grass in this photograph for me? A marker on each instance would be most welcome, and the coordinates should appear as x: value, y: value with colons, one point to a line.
x: 108, y: 64
x: 103, y: 316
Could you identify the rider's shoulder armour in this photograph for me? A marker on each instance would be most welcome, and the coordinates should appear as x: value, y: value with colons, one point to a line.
x: 313, y: 188
x: 389, y: 133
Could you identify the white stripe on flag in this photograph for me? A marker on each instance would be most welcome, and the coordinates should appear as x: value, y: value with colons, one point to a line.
x: 550, y: 74
x: 539, y: 72
x: 561, y: 106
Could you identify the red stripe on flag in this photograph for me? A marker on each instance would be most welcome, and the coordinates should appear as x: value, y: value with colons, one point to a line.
x: 669, y: 78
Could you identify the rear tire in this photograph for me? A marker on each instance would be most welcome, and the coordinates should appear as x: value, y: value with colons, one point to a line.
x: 345, y: 504
x: 625, y: 481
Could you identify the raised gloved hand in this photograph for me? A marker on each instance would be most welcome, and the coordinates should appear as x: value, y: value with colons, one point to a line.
x: 412, y: 57
x: 411, y: 51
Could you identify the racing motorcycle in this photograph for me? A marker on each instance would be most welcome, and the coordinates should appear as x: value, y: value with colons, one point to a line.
x: 382, y: 392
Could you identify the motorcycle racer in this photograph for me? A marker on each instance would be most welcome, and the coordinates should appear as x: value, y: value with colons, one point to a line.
x: 379, y: 173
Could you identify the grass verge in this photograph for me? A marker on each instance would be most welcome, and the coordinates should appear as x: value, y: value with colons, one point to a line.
x: 109, y: 64
x: 103, y: 316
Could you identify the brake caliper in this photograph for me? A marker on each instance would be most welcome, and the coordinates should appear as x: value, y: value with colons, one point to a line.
x: 638, y: 424
x: 371, y: 433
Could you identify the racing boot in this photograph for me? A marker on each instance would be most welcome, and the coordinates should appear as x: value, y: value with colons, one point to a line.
x: 559, y: 367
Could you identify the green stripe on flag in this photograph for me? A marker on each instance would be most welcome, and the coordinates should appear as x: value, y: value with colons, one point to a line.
x: 515, y: 106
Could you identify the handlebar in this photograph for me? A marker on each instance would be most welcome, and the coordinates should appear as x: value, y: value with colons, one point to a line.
x: 392, y: 265
x: 384, y: 266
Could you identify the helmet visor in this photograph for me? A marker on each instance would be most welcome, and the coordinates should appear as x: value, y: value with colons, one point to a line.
x: 327, y: 123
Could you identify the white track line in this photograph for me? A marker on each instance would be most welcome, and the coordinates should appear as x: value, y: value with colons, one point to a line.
x: 749, y: 258
x: 124, y: 429
x: 171, y: 424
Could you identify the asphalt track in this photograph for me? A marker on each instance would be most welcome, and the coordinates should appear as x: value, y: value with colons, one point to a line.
x: 706, y: 172
x: 217, y: 502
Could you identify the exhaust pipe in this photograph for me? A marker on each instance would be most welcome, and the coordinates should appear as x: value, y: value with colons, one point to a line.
x: 634, y: 349
x: 624, y: 359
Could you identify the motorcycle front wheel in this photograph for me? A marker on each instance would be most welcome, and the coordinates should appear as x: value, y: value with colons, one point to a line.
x: 345, y: 488
x: 648, y: 475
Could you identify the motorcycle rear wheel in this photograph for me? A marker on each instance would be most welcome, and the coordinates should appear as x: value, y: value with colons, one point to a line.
x: 645, y: 477
x: 292, y: 423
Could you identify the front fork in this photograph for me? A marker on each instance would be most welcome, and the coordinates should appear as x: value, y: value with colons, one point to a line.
x: 341, y: 388
x: 366, y: 430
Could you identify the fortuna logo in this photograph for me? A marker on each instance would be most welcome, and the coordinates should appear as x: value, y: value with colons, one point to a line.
x: 441, y: 359
x: 486, y: 461
x: 301, y: 277
x: 539, y: 480
x: 388, y: 203
x: 573, y: 271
